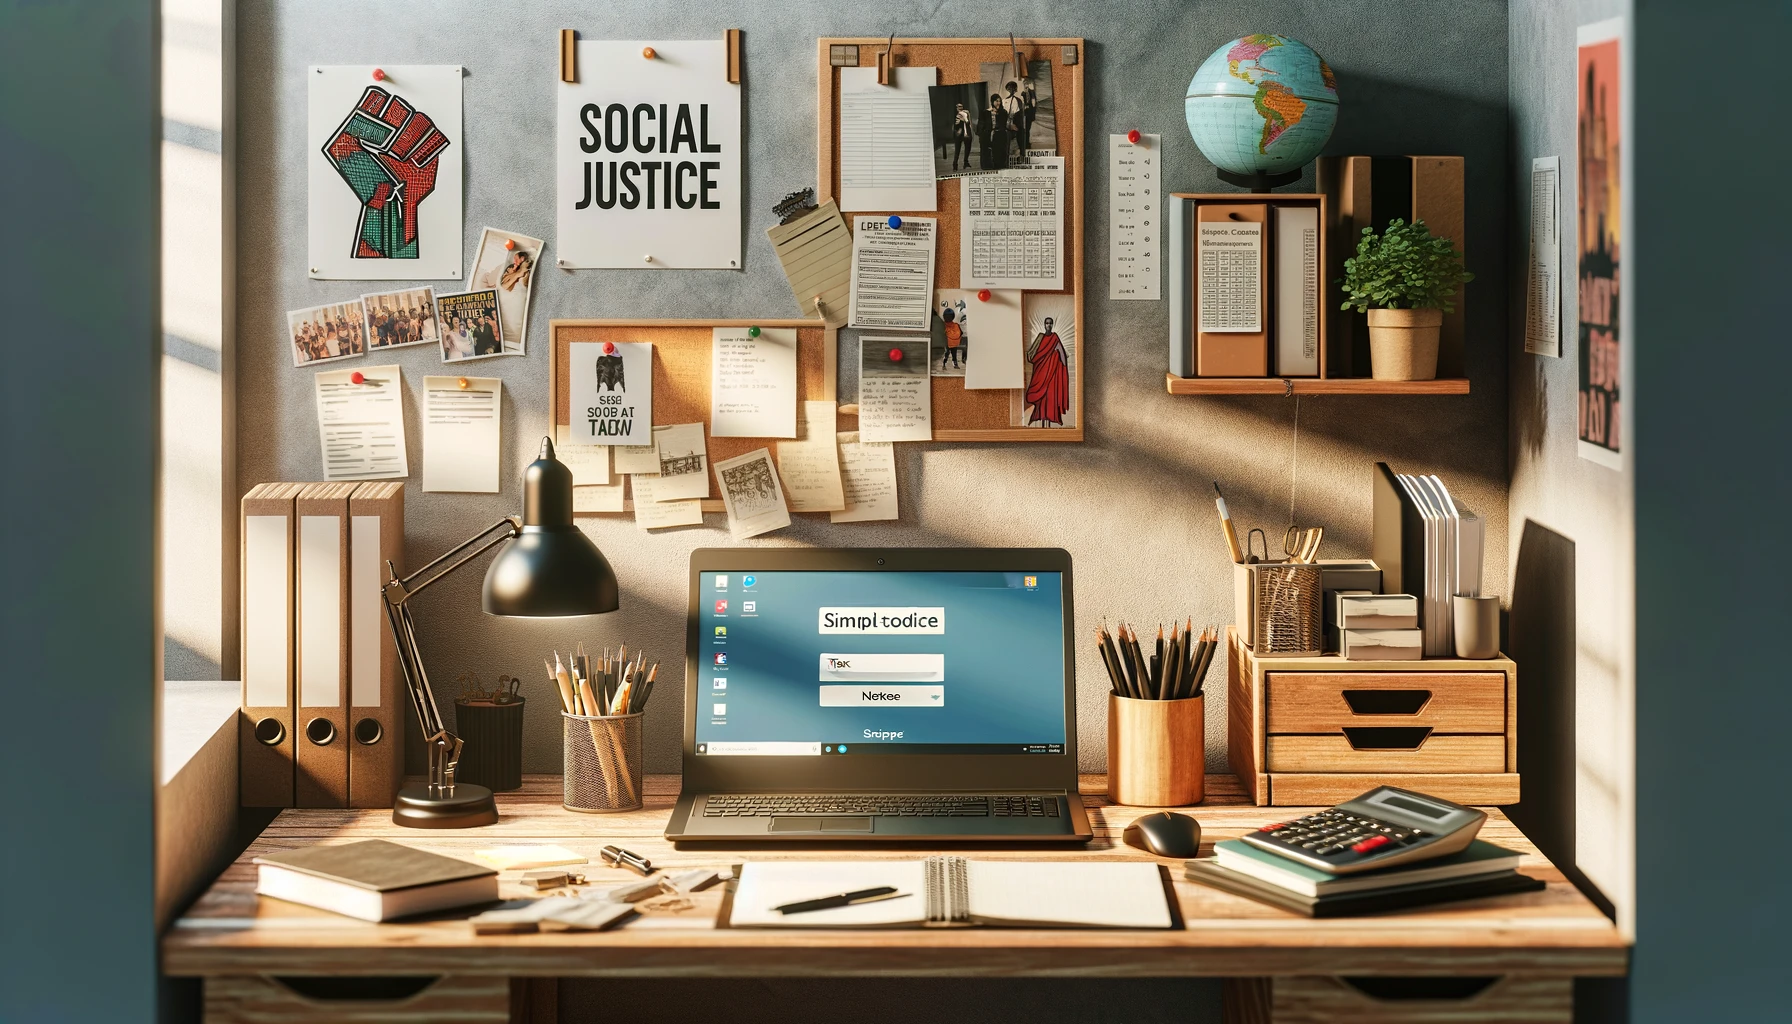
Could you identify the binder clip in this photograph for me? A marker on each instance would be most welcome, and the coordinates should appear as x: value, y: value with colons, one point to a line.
x: 885, y: 61
x: 569, y: 55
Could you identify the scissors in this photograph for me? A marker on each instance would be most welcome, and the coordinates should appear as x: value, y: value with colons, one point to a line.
x: 506, y: 690
x: 1302, y: 546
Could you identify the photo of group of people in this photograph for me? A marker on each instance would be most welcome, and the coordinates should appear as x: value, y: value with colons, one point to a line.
x: 323, y: 333
x: 400, y: 318
x: 990, y: 124
x: 506, y: 263
x: 470, y: 327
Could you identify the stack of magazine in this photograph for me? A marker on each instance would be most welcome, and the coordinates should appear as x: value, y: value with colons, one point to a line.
x: 1454, y: 541
x: 1482, y: 869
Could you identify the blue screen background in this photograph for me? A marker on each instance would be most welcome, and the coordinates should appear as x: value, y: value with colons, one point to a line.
x: 1003, y: 645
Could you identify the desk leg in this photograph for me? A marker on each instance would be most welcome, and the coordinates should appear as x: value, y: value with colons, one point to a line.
x: 1396, y: 1000
x: 1246, y: 1001
x: 534, y: 1000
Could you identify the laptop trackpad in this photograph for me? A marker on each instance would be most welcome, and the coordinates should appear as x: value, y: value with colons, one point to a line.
x: 814, y: 823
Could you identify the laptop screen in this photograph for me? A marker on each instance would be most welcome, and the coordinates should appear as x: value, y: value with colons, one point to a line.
x: 845, y: 663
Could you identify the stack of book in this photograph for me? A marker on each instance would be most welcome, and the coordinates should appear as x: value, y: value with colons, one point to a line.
x: 374, y: 880
x: 1482, y: 869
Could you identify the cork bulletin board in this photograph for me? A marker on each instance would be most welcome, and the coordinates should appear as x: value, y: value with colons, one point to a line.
x: 681, y: 374
x: 960, y: 414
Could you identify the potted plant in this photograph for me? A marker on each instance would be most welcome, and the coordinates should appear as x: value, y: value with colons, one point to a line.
x: 1404, y: 279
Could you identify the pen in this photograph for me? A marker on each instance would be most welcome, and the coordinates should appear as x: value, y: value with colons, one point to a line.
x: 843, y: 899
x: 1226, y: 524
x: 616, y: 856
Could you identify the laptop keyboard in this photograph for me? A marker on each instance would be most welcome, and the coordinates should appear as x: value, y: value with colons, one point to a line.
x: 921, y: 806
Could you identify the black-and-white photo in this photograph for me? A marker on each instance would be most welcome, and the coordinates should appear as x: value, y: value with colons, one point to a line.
x: 684, y: 462
x: 1019, y: 112
x: 955, y: 109
x: 752, y: 487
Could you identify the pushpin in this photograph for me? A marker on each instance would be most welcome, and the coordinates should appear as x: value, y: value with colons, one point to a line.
x: 895, y: 355
x: 895, y: 222
x: 1134, y: 136
x: 983, y: 295
x: 647, y: 51
x: 379, y: 75
x: 753, y: 332
x: 464, y: 385
x: 818, y: 304
x: 647, y: 258
x: 357, y: 377
x: 609, y: 348
x: 510, y: 243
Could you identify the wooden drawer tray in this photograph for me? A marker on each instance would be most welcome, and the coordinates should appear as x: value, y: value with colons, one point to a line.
x: 1325, y: 702
x: 1386, y: 750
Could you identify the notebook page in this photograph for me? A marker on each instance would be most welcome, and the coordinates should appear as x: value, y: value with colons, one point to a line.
x: 1076, y: 895
x: 769, y: 884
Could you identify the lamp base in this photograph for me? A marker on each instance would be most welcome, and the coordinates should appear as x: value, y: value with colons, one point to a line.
x: 469, y: 807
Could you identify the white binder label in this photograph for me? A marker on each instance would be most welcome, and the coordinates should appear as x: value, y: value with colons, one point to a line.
x: 320, y: 611
x: 365, y: 610
x: 266, y: 640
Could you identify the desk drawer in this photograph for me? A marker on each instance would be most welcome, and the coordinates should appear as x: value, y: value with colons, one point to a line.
x: 1326, y: 702
x: 1393, y: 1000
x: 254, y: 999
x: 1386, y: 750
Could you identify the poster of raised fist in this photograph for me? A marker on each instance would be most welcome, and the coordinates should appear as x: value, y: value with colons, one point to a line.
x: 384, y: 162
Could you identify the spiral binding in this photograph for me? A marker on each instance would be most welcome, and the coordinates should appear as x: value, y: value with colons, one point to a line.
x: 948, y: 890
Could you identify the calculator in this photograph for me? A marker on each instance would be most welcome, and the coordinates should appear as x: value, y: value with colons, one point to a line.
x: 1382, y: 828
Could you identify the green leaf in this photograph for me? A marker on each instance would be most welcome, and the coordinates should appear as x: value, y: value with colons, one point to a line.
x: 1404, y: 267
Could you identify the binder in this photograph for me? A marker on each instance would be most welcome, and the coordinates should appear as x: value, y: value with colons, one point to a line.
x: 265, y: 722
x: 1181, y: 286
x: 321, y: 665
x: 1232, y: 353
x: 376, y: 690
x: 1297, y: 290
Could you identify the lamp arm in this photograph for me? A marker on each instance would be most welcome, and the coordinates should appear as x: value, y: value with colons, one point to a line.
x: 513, y: 528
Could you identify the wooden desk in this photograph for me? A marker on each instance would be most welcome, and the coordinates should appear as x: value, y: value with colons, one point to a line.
x: 232, y: 933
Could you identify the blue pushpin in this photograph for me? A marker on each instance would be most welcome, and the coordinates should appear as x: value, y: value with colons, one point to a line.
x: 895, y: 222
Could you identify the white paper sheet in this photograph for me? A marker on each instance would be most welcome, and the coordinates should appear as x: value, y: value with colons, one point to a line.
x: 653, y: 514
x: 993, y: 353
x: 1135, y: 216
x: 644, y: 458
x: 810, y: 466
x: 868, y: 471
x: 460, y: 433
x: 1543, y: 295
x: 752, y: 494
x: 511, y: 273
x: 598, y: 497
x: 684, y: 462
x: 672, y: 192
x: 1011, y: 227
x: 892, y: 273
x: 611, y: 393
x: 895, y: 394
x: 590, y: 463
x: 1229, y: 262
x: 815, y: 251
x: 420, y: 161
x: 361, y: 426
x: 752, y: 382
x: 886, y: 140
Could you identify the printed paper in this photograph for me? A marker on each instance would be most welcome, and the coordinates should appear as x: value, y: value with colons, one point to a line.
x: 683, y: 462
x: 654, y: 514
x: 895, y: 392
x: 506, y: 263
x: 1135, y: 216
x: 752, y: 382
x: 649, y: 157
x: 1011, y: 227
x: 598, y: 497
x: 886, y: 140
x: 751, y: 492
x: 470, y: 326
x: 979, y: 340
x: 636, y: 459
x: 892, y: 273
x: 809, y: 467
x: 399, y: 318
x: 361, y: 426
x: 1543, y: 295
x: 815, y: 251
x: 460, y: 433
x: 383, y: 172
x: 868, y: 470
x: 325, y: 333
x: 1229, y: 262
x: 612, y: 394
x: 1600, y: 56
x: 590, y: 463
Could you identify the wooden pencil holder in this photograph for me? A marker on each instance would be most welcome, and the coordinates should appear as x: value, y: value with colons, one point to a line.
x: 1157, y: 754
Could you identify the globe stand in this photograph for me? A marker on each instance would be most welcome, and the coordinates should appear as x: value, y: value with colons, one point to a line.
x: 1259, y: 181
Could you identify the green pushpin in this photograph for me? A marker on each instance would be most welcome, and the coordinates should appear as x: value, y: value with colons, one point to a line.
x: 753, y: 332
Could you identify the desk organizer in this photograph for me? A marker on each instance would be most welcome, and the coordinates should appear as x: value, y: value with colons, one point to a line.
x: 1157, y: 754
x: 602, y: 762
x: 1280, y: 608
x: 1318, y: 731
x: 493, y: 734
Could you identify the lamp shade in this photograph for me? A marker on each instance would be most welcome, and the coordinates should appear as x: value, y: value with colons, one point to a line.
x: 551, y: 567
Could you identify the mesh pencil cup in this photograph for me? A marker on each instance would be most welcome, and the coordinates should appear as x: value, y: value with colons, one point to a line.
x: 602, y: 762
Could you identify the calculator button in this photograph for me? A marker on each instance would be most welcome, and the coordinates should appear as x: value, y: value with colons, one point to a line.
x: 1371, y: 843
x: 1277, y: 827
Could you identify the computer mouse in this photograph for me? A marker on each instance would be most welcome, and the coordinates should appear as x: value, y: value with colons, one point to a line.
x: 1166, y: 834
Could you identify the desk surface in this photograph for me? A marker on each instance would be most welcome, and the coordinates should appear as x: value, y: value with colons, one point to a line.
x: 230, y: 930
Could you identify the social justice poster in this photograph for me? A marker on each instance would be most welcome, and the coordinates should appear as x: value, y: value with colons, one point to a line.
x: 383, y: 172
x: 1599, y: 84
x: 649, y: 157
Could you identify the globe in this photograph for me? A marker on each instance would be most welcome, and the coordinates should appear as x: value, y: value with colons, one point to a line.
x: 1262, y: 107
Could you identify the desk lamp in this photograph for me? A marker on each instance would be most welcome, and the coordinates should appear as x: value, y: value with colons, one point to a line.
x: 547, y: 567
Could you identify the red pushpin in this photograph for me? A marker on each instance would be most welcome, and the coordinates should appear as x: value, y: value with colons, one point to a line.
x: 895, y: 356
x: 357, y: 377
x: 609, y: 348
x: 983, y: 295
x: 379, y: 75
x: 1134, y: 136
x: 465, y: 384
x: 510, y: 243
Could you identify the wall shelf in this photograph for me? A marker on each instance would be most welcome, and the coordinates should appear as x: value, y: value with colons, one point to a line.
x: 1312, y: 386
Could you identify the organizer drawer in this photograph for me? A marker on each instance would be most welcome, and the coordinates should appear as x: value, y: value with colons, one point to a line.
x: 1326, y: 702
x: 1386, y: 749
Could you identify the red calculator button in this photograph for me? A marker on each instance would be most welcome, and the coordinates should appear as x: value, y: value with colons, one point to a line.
x: 1370, y: 843
x: 1274, y: 828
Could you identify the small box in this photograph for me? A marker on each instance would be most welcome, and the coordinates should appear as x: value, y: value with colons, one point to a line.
x: 1377, y: 611
x: 1334, y: 614
x: 1350, y: 574
x: 1383, y: 644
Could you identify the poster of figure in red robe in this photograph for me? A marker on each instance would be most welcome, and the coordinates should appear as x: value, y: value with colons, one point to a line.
x: 1049, y: 398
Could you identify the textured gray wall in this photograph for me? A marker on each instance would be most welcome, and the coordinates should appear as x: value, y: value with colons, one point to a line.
x: 1132, y: 503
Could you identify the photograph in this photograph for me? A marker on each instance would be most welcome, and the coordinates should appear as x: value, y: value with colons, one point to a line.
x: 684, y: 462
x: 1049, y: 399
x: 751, y: 485
x: 506, y: 264
x: 324, y: 333
x: 396, y: 319
x: 1018, y: 115
x: 955, y: 109
x: 470, y: 328
x: 951, y: 333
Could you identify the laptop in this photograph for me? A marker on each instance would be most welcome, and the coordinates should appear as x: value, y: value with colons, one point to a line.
x: 900, y: 694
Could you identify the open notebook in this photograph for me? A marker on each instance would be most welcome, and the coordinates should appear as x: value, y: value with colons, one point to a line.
x: 952, y: 890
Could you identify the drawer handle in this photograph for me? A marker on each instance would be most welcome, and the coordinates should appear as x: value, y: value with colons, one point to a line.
x: 353, y: 989
x: 1386, y: 737
x: 1394, y: 989
x: 1386, y: 702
